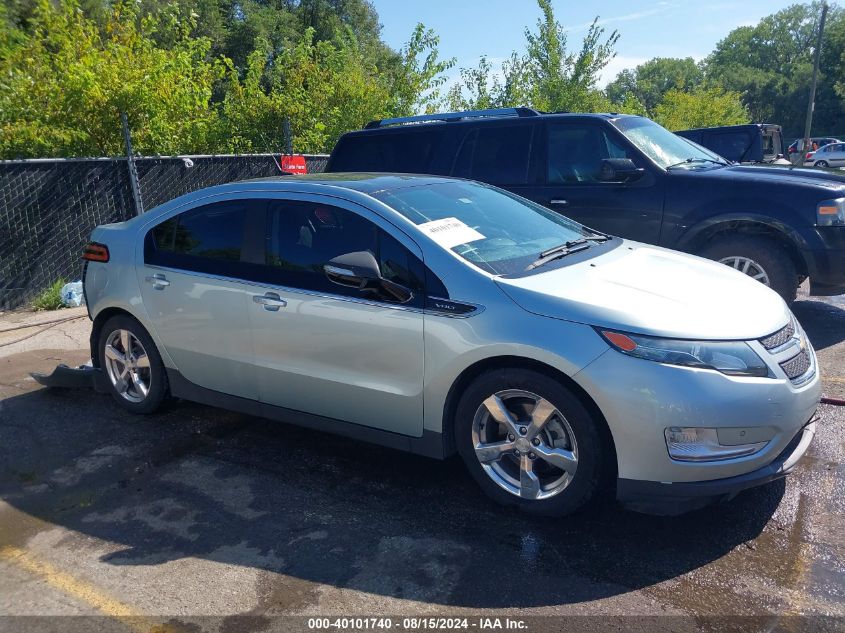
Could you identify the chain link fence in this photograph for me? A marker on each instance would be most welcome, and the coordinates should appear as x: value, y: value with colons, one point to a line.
x: 48, y: 208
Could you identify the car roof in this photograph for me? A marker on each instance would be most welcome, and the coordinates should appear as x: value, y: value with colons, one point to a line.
x: 364, y: 182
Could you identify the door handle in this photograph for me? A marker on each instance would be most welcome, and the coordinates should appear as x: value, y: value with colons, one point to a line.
x: 270, y: 300
x: 158, y: 281
x: 559, y: 202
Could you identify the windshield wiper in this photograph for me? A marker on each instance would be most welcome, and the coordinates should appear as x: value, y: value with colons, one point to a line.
x: 562, y: 250
x: 689, y: 161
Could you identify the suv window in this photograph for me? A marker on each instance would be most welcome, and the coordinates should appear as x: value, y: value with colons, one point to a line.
x: 396, y: 152
x: 731, y: 145
x: 206, y: 239
x: 496, y: 155
x: 302, y: 237
x: 576, y: 152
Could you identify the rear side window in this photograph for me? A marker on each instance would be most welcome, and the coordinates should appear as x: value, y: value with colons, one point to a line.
x: 496, y: 155
x: 401, y: 151
x: 205, y: 239
x: 731, y: 145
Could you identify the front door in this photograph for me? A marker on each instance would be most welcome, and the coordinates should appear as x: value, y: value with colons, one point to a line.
x: 574, y: 154
x: 331, y: 350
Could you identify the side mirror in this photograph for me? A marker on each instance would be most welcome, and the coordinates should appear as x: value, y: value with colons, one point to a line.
x: 620, y: 170
x: 360, y: 270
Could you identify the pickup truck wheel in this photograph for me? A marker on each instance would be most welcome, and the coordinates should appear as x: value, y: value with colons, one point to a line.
x: 760, y: 258
x: 529, y: 442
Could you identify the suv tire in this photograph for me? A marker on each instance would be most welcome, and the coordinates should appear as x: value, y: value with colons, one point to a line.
x: 562, y: 450
x: 132, y: 366
x: 761, y: 254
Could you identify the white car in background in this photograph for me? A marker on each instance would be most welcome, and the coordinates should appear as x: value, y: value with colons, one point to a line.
x: 831, y: 155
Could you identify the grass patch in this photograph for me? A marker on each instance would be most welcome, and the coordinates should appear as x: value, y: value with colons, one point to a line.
x: 50, y: 298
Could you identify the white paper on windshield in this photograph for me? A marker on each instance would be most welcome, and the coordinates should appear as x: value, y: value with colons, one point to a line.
x: 449, y: 232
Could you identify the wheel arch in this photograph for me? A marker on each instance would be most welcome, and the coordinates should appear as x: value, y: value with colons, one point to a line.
x: 519, y: 362
x: 755, y: 226
x: 97, y: 327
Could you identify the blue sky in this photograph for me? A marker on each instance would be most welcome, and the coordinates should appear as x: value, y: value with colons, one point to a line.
x: 657, y: 28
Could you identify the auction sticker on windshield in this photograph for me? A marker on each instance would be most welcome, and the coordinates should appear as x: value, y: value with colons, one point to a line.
x: 450, y: 232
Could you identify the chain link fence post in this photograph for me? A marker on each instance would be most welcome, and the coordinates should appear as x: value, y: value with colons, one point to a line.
x: 130, y: 164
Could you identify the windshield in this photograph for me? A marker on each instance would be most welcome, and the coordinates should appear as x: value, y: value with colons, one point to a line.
x: 664, y: 147
x: 498, y: 232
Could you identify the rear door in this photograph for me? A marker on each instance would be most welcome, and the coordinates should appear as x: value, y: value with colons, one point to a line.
x: 837, y: 155
x: 327, y: 349
x: 192, y: 290
x: 572, y: 156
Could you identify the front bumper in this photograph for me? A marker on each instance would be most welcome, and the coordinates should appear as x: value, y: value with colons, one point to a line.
x: 665, y: 498
x: 826, y: 265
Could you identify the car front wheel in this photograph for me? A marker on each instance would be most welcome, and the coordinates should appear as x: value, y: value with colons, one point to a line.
x: 131, y: 363
x: 529, y: 442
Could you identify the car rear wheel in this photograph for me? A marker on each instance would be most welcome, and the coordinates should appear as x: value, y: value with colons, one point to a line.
x: 821, y: 163
x: 529, y: 442
x: 128, y: 357
x: 760, y: 258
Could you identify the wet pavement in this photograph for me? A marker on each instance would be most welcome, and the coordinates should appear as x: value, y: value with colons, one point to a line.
x: 201, y: 512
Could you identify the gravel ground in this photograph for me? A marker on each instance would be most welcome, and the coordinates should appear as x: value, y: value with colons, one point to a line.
x: 201, y: 519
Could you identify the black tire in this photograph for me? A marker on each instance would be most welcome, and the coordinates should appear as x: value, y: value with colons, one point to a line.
x: 592, y: 454
x: 158, y: 385
x: 821, y: 163
x: 767, y: 253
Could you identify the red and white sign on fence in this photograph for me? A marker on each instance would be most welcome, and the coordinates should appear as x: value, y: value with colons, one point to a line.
x: 293, y: 164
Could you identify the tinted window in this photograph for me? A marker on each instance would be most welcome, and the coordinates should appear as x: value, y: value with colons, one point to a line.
x: 495, y: 154
x: 576, y: 152
x: 205, y: 239
x: 403, y: 151
x: 731, y: 145
x: 302, y: 237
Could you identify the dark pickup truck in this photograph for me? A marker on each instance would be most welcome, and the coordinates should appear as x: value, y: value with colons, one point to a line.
x: 751, y: 143
x: 627, y: 176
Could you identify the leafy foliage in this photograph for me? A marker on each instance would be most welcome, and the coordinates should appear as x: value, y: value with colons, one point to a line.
x: 703, y: 107
x: 50, y: 298
x: 648, y: 83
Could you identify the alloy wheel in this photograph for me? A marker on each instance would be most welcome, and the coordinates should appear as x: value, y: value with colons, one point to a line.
x: 747, y: 266
x: 127, y: 365
x: 524, y: 444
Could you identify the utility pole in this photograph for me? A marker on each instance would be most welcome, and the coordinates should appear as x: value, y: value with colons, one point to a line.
x: 130, y: 165
x: 811, y: 106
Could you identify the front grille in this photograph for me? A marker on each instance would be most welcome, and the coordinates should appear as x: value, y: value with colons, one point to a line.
x: 778, y: 338
x: 797, y: 365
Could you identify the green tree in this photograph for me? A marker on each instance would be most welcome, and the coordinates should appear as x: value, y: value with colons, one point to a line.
x: 703, y: 107
x: 547, y: 76
x: 650, y: 81
x: 771, y: 65
x: 63, y: 87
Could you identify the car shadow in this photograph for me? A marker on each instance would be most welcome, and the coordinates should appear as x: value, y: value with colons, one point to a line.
x: 200, y: 482
x: 823, y: 321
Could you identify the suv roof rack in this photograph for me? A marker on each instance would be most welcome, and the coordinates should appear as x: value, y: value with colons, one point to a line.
x: 454, y: 116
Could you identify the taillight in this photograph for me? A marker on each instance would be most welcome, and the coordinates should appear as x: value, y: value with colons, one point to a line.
x: 808, y: 155
x: 95, y: 252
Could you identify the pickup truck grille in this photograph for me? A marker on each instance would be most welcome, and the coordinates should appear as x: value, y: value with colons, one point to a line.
x: 796, y: 366
x: 779, y: 338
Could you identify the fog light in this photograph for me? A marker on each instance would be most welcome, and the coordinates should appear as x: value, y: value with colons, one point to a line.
x: 692, y: 444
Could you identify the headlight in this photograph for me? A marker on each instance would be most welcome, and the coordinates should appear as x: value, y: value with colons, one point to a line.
x: 690, y: 444
x: 831, y: 212
x: 734, y: 358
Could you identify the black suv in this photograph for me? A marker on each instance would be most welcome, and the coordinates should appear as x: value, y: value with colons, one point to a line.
x: 627, y: 176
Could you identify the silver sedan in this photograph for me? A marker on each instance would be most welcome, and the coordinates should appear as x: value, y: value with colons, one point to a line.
x: 832, y: 155
x: 442, y: 316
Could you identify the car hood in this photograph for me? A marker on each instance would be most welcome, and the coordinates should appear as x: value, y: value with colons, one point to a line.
x: 650, y: 290
x: 776, y: 175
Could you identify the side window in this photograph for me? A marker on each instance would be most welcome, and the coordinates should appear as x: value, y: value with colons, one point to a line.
x: 206, y: 239
x: 731, y: 145
x: 500, y: 155
x: 576, y: 152
x: 401, y: 151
